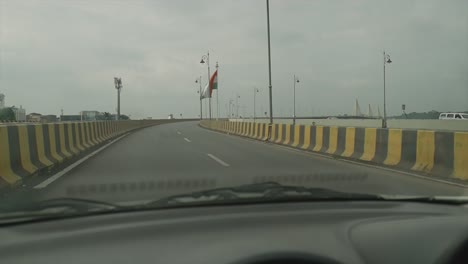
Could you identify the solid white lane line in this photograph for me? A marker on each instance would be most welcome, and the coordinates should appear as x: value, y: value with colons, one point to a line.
x: 72, y: 166
x: 188, y: 140
x: 178, y: 132
x: 218, y: 160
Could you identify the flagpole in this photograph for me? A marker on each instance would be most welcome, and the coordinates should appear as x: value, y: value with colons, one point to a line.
x: 217, y: 93
x: 207, y: 57
x: 209, y: 77
x: 201, y: 103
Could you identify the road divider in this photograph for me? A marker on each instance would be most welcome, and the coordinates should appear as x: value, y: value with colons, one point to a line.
x: 27, y: 150
x: 440, y: 154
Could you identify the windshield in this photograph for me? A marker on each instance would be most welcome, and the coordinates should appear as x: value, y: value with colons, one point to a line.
x: 105, y: 104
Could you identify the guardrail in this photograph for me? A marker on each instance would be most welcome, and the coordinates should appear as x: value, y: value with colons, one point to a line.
x: 436, y: 153
x: 27, y: 149
x: 429, y: 124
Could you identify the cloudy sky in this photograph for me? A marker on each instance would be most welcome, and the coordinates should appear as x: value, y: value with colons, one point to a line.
x: 64, y: 54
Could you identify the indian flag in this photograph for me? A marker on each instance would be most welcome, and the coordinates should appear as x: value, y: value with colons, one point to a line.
x: 206, y: 92
x: 212, y: 85
x: 214, y: 82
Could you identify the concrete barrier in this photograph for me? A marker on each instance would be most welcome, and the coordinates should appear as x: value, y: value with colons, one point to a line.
x: 298, y: 136
x: 28, y: 149
x: 307, y: 137
x: 261, y: 131
x: 435, y: 153
x: 248, y: 129
x: 281, y: 133
x: 287, y: 134
x: 426, y: 124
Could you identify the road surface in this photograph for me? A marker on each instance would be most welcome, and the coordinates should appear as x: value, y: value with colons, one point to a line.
x: 181, y: 157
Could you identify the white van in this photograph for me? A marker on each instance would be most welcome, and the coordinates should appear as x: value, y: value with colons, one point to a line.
x: 453, y: 116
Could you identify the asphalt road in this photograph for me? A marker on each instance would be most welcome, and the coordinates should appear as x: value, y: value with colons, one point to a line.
x: 181, y: 157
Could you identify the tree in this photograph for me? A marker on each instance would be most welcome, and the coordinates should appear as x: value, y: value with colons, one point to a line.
x: 7, y: 114
x: 124, y: 117
x: 422, y: 115
x: 104, y: 116
x: 107, y: 116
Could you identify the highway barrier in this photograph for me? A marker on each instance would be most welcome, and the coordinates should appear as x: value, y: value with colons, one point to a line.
x: 426, y: 124
x: 442, y: 154
x: 28, y: 149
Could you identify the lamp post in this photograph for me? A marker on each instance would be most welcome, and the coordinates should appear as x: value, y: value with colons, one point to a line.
x: 206, y: 58
x: 227, y: 110
x: 237, y: 106
x: 270, y: 87
x: 269, y: 67
x: 296, y: 80
x: 118, y: 86
x: 254, y: 108
x: 231, y: 108
x: 198, y: 80
x: 386, y: 60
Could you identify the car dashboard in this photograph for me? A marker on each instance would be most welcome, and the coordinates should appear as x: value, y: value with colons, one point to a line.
x: 300, y: 232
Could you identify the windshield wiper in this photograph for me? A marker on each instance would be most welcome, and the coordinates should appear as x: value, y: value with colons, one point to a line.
x: 269, y: 192
x: 259, y: 192
x: 53, y: 208
x: 427, y: 199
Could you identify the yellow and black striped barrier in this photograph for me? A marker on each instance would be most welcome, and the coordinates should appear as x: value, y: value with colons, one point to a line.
x: 438, y: 153
x: 27, y: 149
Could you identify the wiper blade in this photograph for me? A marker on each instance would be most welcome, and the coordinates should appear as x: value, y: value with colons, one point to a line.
x: 259, y: 192
x: 78, y: 204
x: 51, y: 208
x: 275, y: 192
x: 427, y: 199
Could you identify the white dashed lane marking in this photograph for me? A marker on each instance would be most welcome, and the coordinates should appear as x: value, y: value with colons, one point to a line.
x: 218, y: 160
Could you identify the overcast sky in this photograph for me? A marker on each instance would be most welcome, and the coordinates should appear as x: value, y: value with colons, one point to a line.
x: 64, y: 54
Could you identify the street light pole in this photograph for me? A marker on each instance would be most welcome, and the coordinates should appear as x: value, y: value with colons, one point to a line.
x: 296, y: 80
x: 199, y: 80
x: 237, y: 106
x: 231, y: 108
x: 118, y: 86
x: 254, y: 108
x: 269, y: 67
x: 118, y: 104
x: 385, y: 61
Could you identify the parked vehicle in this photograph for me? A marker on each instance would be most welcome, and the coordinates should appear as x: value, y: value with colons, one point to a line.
x: 451, y: 116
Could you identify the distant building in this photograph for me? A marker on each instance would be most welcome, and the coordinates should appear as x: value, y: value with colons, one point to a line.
x: 89, y: 115
x: 48, y: 118
x: 34, y: 117
x: 68, y: 118
x: 20, y: 114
